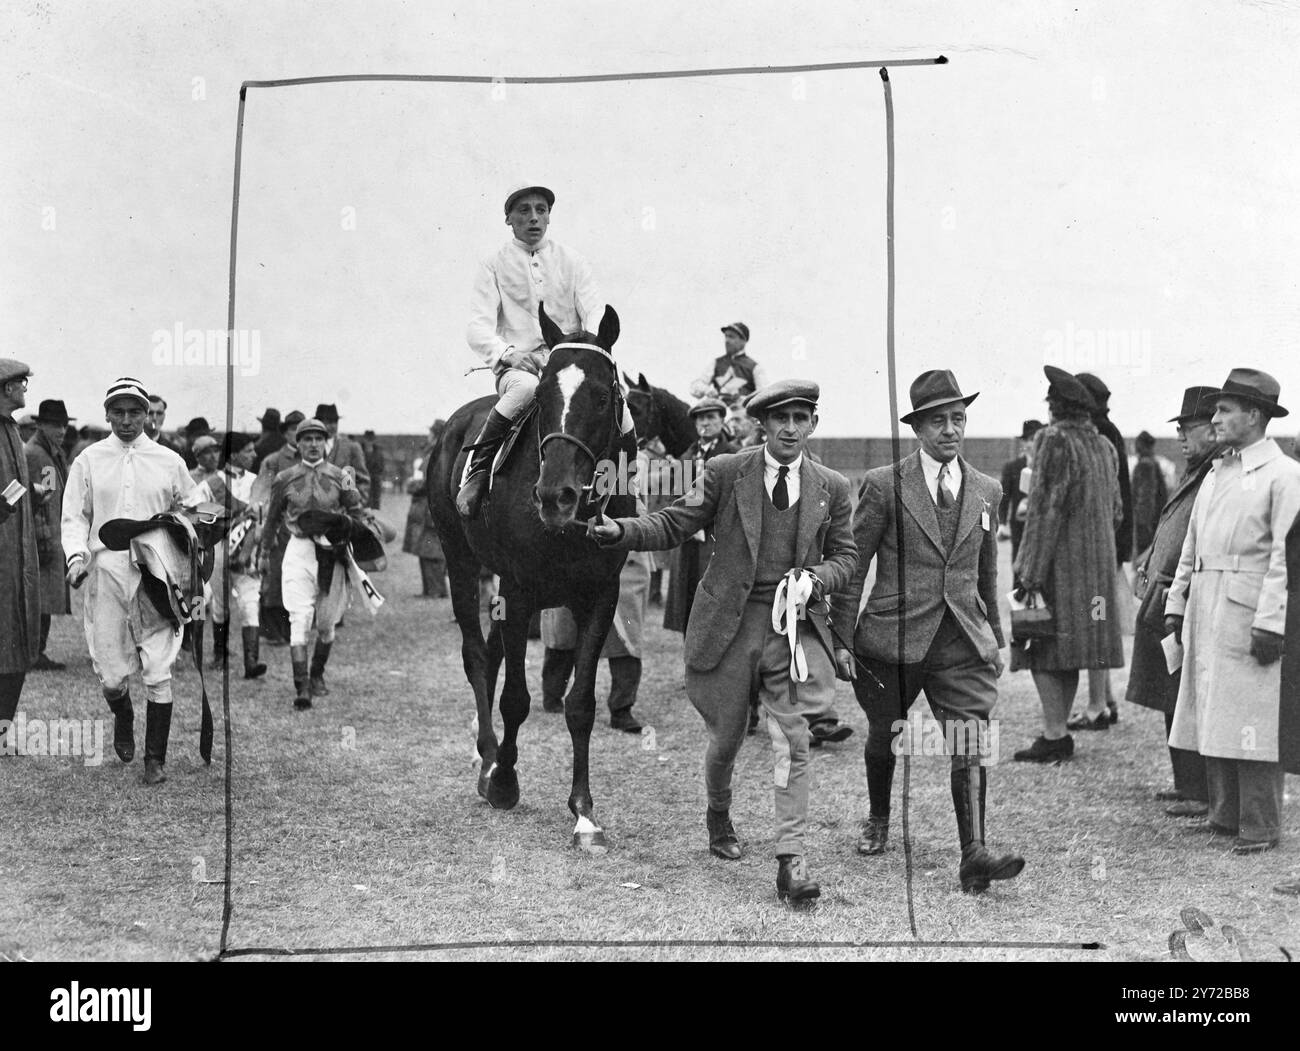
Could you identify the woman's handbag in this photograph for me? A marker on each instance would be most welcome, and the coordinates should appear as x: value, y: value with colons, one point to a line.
x: 1031, y: 618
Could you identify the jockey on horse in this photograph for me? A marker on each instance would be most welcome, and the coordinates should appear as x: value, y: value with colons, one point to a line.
x: 504, y: 330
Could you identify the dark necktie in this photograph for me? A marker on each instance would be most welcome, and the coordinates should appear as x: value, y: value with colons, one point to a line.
x: 780, y: 494
x: 943, y: 495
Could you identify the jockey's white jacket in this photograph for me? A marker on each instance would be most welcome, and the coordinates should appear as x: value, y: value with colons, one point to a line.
x: 510, y: 283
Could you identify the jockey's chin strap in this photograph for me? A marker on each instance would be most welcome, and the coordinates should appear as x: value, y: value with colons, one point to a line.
x: 616, y: 419
x: 789, y: 606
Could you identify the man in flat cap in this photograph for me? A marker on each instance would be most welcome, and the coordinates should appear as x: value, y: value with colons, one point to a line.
x: 1231, y: 586
x: 19, y: 566
x: 1149, y: 681
x: 931, y: 622
x: 48, y: 469
x: 126, y: 475
x: 342, y: 451
x: 782, y: 544
x: 504, y: 330
x: 313, y: 580
x: 734, y: 375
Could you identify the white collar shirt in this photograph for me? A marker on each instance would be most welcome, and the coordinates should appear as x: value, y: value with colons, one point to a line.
x: 771, y: 469
x: 930, y: 467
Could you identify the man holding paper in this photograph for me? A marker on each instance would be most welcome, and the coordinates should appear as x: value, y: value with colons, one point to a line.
x: 1231, y: 588
x: 20, y: 627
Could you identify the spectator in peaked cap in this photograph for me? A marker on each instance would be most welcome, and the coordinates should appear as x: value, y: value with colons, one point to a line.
x: 12, y: 369
x: 782, y: 392
x: 207, y: 451
x: 708, y: 405
x: 734, y: 374
x: 19, y: 574
x: 932, y: 389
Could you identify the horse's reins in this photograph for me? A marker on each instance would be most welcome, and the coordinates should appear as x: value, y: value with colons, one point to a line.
x: 616, y: 405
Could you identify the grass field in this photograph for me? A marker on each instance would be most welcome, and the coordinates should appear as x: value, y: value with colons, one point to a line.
x: 357, y: 824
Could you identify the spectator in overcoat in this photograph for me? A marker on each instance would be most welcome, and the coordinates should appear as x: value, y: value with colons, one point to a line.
x: 1068, y: 556
x: 48, y: 470
x: 1149, y: 492
x: 1149, y: 681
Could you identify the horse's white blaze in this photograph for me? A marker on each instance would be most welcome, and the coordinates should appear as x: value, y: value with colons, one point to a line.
x: 585, y: 826
x: 570, y: 379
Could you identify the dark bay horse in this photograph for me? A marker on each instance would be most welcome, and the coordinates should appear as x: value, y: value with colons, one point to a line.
x: 658, y: 413
x: 532, y: 532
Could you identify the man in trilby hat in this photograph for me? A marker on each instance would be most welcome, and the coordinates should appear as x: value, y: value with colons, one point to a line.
x: 342, y: 451
x: 48, y: 468
x: 1227, y: 605
x: 1149, y: 681
x: 126, y: 475
x: 931, y: 622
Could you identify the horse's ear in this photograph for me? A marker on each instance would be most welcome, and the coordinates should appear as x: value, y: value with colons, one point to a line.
x: 627, y: 382
x: 642, y: 382
x: 550, y: 330
x: 608, y: 334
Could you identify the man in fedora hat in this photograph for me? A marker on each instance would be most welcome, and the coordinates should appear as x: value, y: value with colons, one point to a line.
x: 1009, y: 511
x: 48, y: 469
x: 313, y: 583
x: 19, y: 566
x: 782, y: 543
x: 273, y: 617
x: 1149, y: 683
x: 342, y: 451
x: 504, y: 331
x: 734, y: 375
x: 1231, y: 586
x: 271, y: 438
x: 126, y: 475
x: 931, y: 622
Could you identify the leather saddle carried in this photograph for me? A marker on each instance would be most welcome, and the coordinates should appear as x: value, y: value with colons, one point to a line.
x: 367, y: 535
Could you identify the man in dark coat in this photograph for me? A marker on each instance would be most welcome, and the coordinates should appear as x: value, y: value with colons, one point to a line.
x: 686, y: 563
x: 1289, y: 709
x: 342, y: 451
x: 1149, y: 681
x: 777, y: 517
x: 273, y: 618
x: 421, y: 537
x: 373, y: 454
x: 271, y: 438
x: 19, y: 574
x: 1011, y: 495
x: 48, y: 470
x: 1149, y: 491
x: 931, y: 621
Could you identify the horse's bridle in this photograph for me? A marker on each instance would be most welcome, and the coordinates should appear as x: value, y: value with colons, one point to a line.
x: 616, y: 420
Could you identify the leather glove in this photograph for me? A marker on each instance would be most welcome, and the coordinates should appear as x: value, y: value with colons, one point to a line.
x: 525, y: 360
x: 1174, y: 626
x: 844, y: 665
x: 1265, y: 646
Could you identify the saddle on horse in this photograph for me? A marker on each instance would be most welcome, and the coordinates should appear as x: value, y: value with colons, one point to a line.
x: 491, y: 450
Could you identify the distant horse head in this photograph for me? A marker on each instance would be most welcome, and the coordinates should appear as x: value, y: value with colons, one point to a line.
x: 580, y: 408
x: 658, y: 413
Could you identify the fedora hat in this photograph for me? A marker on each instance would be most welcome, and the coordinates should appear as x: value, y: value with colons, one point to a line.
x: 326, y: 413
x: 270, y: 418
x: 1197, y: 402
x: 1029, y: 428
x: 932, y: 389
x: 53, y: 411
x: 1068, y: 387
x: 1258, y: 388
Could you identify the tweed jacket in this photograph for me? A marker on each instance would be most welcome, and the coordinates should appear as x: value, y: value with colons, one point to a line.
x: 20, y: 609
x: 727, y: 500
x: 47, y: 466
x: 896, y: 523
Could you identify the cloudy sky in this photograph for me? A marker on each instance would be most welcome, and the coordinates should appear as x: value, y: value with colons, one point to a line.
x: 1099, y: 185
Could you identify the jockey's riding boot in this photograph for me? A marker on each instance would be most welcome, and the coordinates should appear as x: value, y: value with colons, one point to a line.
x: 123, y: 724
x: 723, y: 841
x: 301, y: 682
x: 319, y: 656
x: 252, y: 666
x: 157, y: 728
x: 220, y: 643
x: 480, y: 464
x: 792, y: 882
x: 624, y: 678
x: 979, y: 865
x: 557, y: 666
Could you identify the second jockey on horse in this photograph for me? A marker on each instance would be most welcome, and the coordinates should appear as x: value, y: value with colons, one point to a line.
x: 504, y: 330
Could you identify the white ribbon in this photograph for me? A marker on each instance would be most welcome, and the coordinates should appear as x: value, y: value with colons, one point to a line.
x: 790, y: 606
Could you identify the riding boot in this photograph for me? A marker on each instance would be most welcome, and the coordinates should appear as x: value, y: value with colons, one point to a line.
x: 252, y: 666
x: 480, y: 464
x: 624, y: 678
x: 880, y: 783
x: 557, y: 666
x: 979, y: 865
x: 318, y: 658
x: 157, y: 728
x: 301, y: 681
x: 220, y: 643
x: 123, y: 724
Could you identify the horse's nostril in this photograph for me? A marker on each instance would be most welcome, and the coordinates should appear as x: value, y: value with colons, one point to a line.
x: 567, y: 497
